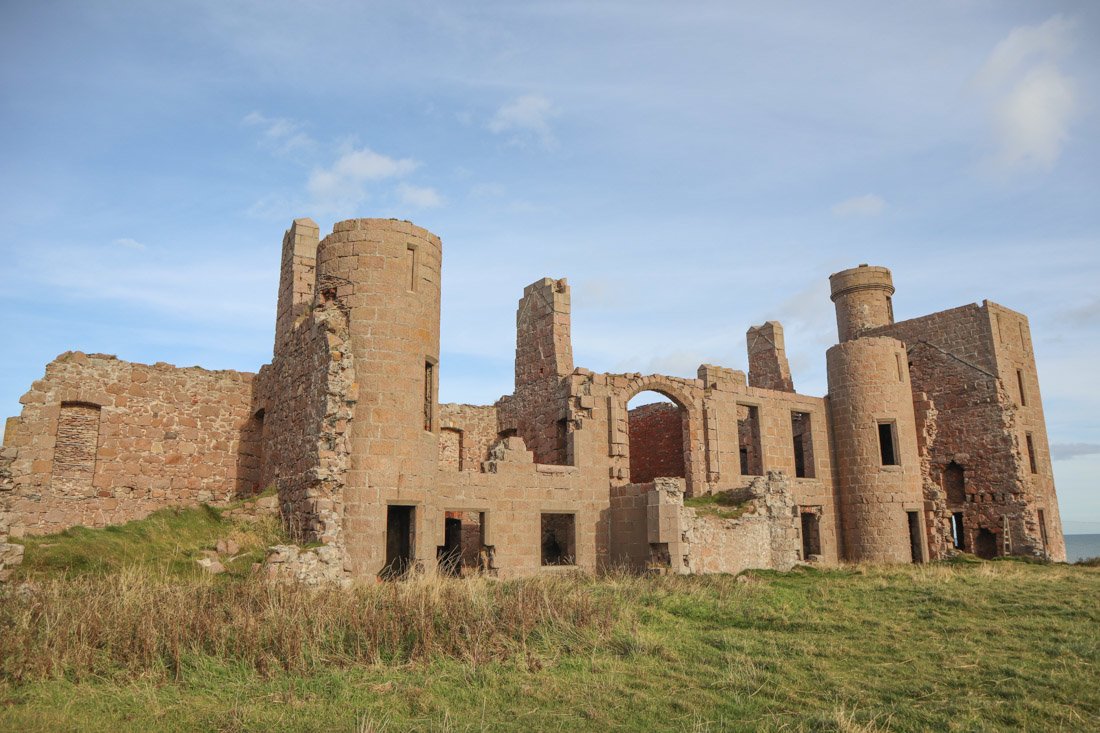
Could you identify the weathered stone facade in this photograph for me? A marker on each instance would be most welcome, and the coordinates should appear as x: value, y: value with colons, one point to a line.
x: 931, y: 439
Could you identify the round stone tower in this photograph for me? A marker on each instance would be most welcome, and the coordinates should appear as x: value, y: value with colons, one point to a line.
x: 875, y: 449
x: 387, y: 274
x: 862, y: 298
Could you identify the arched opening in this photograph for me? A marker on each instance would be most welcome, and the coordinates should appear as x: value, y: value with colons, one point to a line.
x: 657, y: 430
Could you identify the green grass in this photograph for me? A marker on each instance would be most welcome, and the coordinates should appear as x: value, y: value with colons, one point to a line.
x: 169, y: 540
x: 969, y: 646
x: 722, y: 504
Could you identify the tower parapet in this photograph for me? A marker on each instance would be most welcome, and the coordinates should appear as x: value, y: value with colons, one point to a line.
x: 862, y: 297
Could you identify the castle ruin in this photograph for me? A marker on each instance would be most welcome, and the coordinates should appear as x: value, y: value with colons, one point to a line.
x: 931, y: 439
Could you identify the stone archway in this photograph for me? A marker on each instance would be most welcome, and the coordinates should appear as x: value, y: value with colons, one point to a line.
x: 681, y: 393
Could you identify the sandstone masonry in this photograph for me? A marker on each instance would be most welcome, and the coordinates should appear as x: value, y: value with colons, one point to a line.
x: 931, y: 440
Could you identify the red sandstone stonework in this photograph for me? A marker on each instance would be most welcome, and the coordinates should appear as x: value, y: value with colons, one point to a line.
x: 930, y: 424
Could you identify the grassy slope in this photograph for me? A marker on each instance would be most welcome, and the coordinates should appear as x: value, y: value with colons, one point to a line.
x: 972, y: 646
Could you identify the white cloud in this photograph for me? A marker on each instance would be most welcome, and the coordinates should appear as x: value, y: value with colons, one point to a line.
x: 129, y: 243
x: 423, y: 197
x: 1065, y: 451
x: 1031, y: 101
x: 342, y: 185
x: 526, y: 116
x: 866, y: 205
x: 279, y: 133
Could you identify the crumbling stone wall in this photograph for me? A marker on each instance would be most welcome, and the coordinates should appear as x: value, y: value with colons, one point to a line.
x: 655, y: 531
x: 475, y: 428
x: 964, y: 364
x: 103, y: 441
x: 537, y: 410
x: 307, y: 395
x: 656, y: 442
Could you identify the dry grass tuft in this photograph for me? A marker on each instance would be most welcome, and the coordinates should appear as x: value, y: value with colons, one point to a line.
x: 136, y: 623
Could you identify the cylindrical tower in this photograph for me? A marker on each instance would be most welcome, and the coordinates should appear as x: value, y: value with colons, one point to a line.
x: 387, y: 273
x: 862, y: 297
x: 875, y: 449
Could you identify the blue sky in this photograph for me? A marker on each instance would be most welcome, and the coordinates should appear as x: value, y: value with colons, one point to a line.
x: 692, y: 168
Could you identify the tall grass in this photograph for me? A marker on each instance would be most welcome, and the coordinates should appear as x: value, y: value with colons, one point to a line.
x: 134, y: 623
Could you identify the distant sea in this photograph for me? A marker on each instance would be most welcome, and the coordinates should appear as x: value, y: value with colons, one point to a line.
x: 1080, y: 546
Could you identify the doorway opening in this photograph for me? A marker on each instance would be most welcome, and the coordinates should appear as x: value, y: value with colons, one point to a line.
x: 463, y: 551
x: 985, y: 544
x: 400, y: 540
x: 916, y: 547
x: 811, y: 532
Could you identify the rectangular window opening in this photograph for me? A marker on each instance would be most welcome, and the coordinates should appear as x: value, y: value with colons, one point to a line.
x: 429, y: 393
x: 890, y: 308
x: 450, y: 449
x: 411, y: 257
x: 559, y: 539
x: 1020, y: 386
x: 400, y: 541
x: 561, y: 442
x: 1043, y: 528
x: 916, y: 547
x: 803, y: 445
x: 1031, y: 453
x: 888, y: 443
x: 748, y: 436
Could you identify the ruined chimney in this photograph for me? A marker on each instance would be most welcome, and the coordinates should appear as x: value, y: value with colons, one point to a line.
x: 768, y: 368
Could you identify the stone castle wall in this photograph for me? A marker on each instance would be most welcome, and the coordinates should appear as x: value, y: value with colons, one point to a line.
x: 103, y: 441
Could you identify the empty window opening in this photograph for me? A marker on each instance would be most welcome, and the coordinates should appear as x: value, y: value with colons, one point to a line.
x: 561, y: 442
x: 888, y: 443
x: 957, y: 536
x: 429, y: 393
x: 916, y: 546
x: 1031, y: 453
x: 901, y: 372
x: 803, y: 445
x: 450, y: 449
x: 811, y: 532
x: 954, y: 484
x: 411, y: 258
x: 890, y: 308
x: 1020, y: 387
x: 250, y: 455
x: 559, y: 539
x: 400, y: 540
x: 656, y: 434
x: 985, y: 544
x: 1043, y: 528
x: 463, y: 552
x: 748, y: 438
x: 75, y: 448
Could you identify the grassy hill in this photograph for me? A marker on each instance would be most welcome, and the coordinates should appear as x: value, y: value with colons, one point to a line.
x: 116, y: 630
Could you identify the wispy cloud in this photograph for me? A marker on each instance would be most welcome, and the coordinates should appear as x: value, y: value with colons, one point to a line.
x: 1066, y: 451
x: 423, y: 197
x: 342, y: 185
x: 279, y: 134
x: 526, y: 117
x: 128, y: 243
x: 860, y: 206
x: 1031, y: 101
